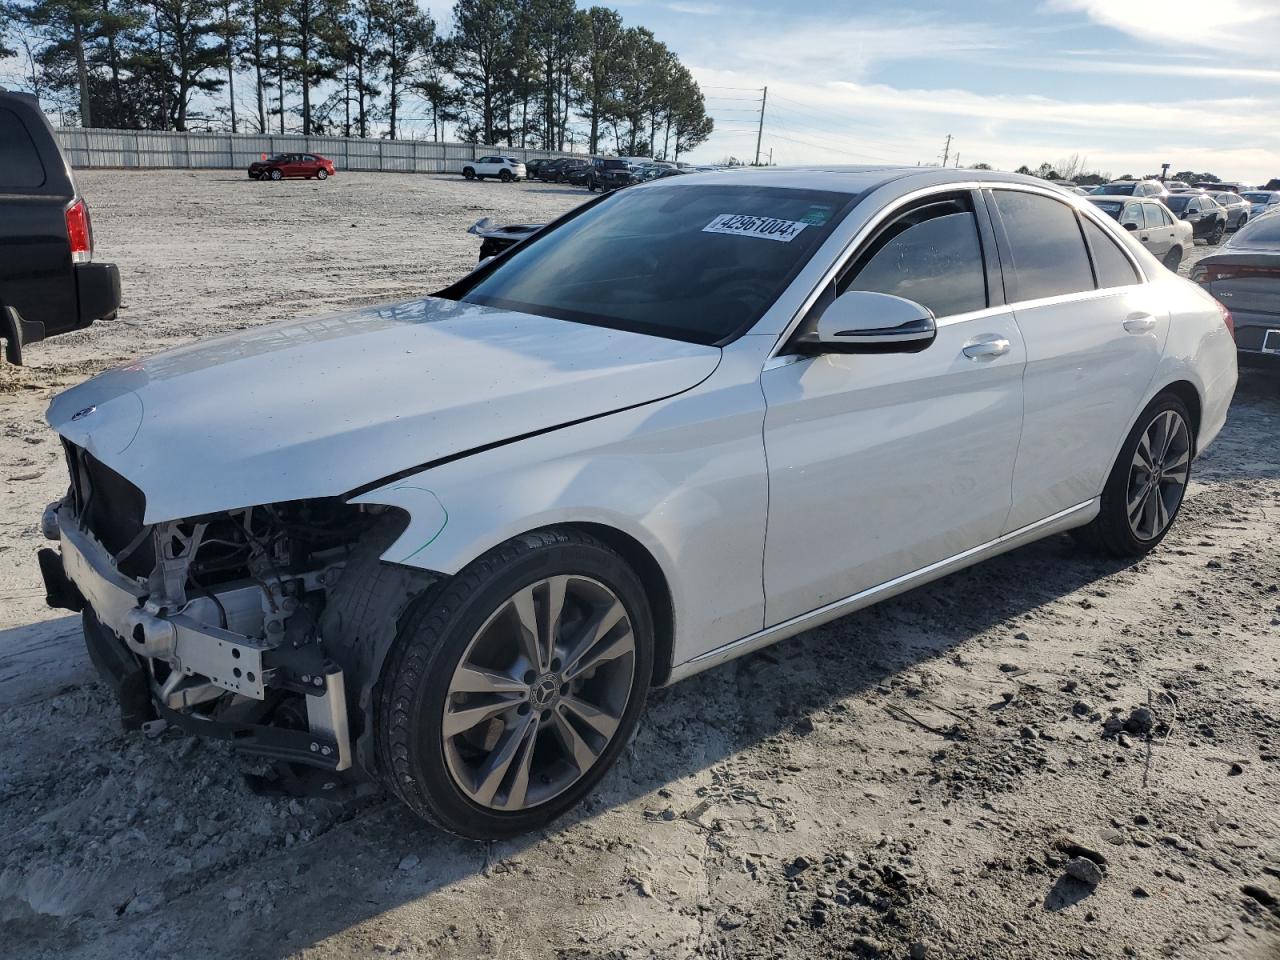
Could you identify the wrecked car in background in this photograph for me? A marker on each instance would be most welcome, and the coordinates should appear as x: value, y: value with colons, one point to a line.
x: 449, y: 545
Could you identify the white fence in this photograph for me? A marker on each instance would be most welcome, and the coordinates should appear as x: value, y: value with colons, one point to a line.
x: 154, y: 149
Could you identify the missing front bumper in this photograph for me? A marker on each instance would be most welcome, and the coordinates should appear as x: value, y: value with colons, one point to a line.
x: 167, y: 664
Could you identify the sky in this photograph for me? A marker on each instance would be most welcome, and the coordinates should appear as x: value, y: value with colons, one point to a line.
x: 1125, y: 84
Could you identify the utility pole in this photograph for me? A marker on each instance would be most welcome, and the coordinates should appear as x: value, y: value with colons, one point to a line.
x: 760, y: 130
x: 946, y: 151
x: 957, y: 159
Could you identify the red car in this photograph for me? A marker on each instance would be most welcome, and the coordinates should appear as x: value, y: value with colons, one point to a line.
x: 292, y: 165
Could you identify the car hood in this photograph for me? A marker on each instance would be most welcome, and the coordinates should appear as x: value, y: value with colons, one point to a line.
x: 321, y: 406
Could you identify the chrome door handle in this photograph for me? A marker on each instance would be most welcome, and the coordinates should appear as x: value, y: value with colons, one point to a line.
x: 1139, y: 323
x: 987, y: 348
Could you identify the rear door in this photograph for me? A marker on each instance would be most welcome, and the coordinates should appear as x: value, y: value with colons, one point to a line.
x: 881, y: 464
x: 1094, y: 334
x: 1161, y: 228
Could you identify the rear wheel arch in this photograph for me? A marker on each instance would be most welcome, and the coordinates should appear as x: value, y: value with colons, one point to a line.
x: 1186, y: 391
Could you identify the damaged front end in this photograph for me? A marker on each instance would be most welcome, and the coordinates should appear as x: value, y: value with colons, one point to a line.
x: 264, y: 625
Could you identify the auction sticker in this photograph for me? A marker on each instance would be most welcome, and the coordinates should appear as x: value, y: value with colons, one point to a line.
x: 766, y: 228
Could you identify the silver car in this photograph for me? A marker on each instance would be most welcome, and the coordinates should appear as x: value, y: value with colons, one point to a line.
x: 1131, y: 188
x: 1262, y: 201
x: 1244, y: 275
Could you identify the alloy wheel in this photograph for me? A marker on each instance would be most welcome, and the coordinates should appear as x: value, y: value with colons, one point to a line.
x: 539, y: 693
x: 1158, y: 475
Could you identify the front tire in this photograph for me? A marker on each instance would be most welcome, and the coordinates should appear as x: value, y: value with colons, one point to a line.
x: 322, y: 174
x: 277, y: 175
x: 1215, y: 236
x: 509, y: 694
x: 1147, y: 483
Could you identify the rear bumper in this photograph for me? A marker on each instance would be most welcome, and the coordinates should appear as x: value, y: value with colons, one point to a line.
x: 98, y: 287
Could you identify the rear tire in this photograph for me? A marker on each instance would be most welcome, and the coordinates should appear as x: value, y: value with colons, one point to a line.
x: 469, y: 173
x: 1114, y: 530
x: 475, y: 733
x: 505, y: 176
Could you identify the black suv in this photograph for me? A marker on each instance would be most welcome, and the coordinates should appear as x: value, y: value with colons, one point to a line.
x: 607, y: 174
x: 48, y: 282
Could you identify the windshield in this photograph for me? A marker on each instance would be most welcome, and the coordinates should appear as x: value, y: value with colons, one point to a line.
x: 1116, y: 189
x: 1110, y: 207
x: 694, y: 263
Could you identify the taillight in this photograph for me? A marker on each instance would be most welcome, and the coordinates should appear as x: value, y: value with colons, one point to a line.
x: 1236, y: 271
x: 1227, y: 319
x: 79, y: 232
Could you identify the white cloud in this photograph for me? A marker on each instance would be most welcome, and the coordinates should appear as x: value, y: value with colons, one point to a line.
x: 1246, y: 26
x: 855, y: 122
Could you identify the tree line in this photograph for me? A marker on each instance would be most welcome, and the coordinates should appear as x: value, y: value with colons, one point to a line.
x: 541, y: 73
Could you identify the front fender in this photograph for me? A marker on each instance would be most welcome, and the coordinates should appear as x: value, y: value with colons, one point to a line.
x: 684, y: 477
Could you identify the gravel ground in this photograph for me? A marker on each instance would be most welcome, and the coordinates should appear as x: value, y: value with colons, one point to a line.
x: 1046, y: 756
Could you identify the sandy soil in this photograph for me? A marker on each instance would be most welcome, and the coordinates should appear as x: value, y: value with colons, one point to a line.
x: 920, y: 779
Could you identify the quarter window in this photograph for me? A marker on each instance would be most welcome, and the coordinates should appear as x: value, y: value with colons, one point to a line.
x: 20, y: 164
x: 1048, y: 250
x: 931, y: 255
x: 1111, y: 266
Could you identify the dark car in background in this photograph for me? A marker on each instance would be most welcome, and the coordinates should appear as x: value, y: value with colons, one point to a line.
x: 1235, y: 206
x: 1208, y: 220
x: 49, y: 284
x: 282, y: 166
x: 549, y: 170
x: 608, y: 173
x: 575, y: 171
x: 1244, y: 276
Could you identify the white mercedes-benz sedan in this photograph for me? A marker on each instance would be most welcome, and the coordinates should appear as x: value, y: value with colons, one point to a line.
x: 449, y: 544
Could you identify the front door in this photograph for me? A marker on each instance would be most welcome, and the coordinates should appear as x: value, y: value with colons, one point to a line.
x: 881, y: 464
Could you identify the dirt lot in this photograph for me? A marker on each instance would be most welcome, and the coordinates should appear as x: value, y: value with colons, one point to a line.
x: 911, y: 781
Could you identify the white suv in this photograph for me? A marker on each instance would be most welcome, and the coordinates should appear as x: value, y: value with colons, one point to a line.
x: 505, y: 169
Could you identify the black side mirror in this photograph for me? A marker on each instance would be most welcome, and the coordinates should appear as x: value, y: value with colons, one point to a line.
x: 1131, y: 225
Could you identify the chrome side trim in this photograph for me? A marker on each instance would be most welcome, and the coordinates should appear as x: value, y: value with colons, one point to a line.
x: 1075, y: 516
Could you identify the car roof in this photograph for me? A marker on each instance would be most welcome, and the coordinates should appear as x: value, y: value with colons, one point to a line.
x: 861, y: 179
x: 1127, y: 198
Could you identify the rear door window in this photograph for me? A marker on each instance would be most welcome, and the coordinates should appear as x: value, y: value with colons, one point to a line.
x: 931, y: 255
x: 1047, y: 248
x: 20, y: 166
x: 1133, y: 214
x: 1110, y: 265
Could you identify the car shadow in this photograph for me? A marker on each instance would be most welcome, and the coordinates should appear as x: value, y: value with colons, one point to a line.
x: 687, y: 729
